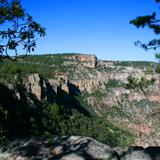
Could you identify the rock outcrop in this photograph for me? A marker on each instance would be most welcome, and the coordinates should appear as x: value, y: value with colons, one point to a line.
x: 73, y: 148
x: 62, y: 148
x: 85, y: 59
x: 33, y: 85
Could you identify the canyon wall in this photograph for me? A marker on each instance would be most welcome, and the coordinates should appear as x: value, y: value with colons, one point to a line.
x: 102, y: 85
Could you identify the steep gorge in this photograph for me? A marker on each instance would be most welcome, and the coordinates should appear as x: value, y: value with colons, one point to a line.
x: 125, y: 93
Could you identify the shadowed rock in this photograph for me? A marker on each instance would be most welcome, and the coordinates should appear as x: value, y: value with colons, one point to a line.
x: 140, y: 153
x: 63, y: 148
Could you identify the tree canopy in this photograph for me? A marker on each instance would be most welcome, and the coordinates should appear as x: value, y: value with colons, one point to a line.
x: 18, y: 30
x: 152, y: 22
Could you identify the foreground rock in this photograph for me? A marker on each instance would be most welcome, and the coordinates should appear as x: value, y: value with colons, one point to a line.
x: 64, y: 148
x: 73, y: 148
x: 140, y: 153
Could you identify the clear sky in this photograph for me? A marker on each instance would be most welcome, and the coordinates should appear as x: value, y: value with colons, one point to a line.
x: 99, y: 27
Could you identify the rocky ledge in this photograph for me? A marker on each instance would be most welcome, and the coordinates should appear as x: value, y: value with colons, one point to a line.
x: 73, y: 148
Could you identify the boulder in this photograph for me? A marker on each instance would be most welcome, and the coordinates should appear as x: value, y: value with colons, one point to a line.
x: 140, y: 153
x: 73, y: 148
x: 63, y: 148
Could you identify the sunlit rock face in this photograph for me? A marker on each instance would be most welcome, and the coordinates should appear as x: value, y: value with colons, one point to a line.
x: 33, y: 85
x: 86, y: 60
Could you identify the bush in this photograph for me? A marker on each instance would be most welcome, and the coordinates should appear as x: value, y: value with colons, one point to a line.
x: 139, y: 84
x: 113, y: 83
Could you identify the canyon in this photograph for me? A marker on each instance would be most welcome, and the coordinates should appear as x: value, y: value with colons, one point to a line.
x: 102, y: 84
x: 123, y: 93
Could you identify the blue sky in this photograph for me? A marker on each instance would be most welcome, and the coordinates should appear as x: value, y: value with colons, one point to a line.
x: 99, y: 27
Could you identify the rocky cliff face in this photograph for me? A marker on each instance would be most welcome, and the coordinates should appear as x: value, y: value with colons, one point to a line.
x: 105, y: 86
x: 33, y: 85
x: 87, y: 60
x: 84, y: 59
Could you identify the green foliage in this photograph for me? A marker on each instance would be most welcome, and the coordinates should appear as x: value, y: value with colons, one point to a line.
x: 13, y: 68
x: 149, y: 69
x: 3, y: 118
x: 49, y: 138
x: 41, y: 118
x: 113, y: 83
x: 96, y: 127
x: 135, y: 64
x: 158, y: 69
x: 19, y: 29
x: 139, y: 84
x: 81, y: 100
x: 64, y: 115
x: 152, y: 22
